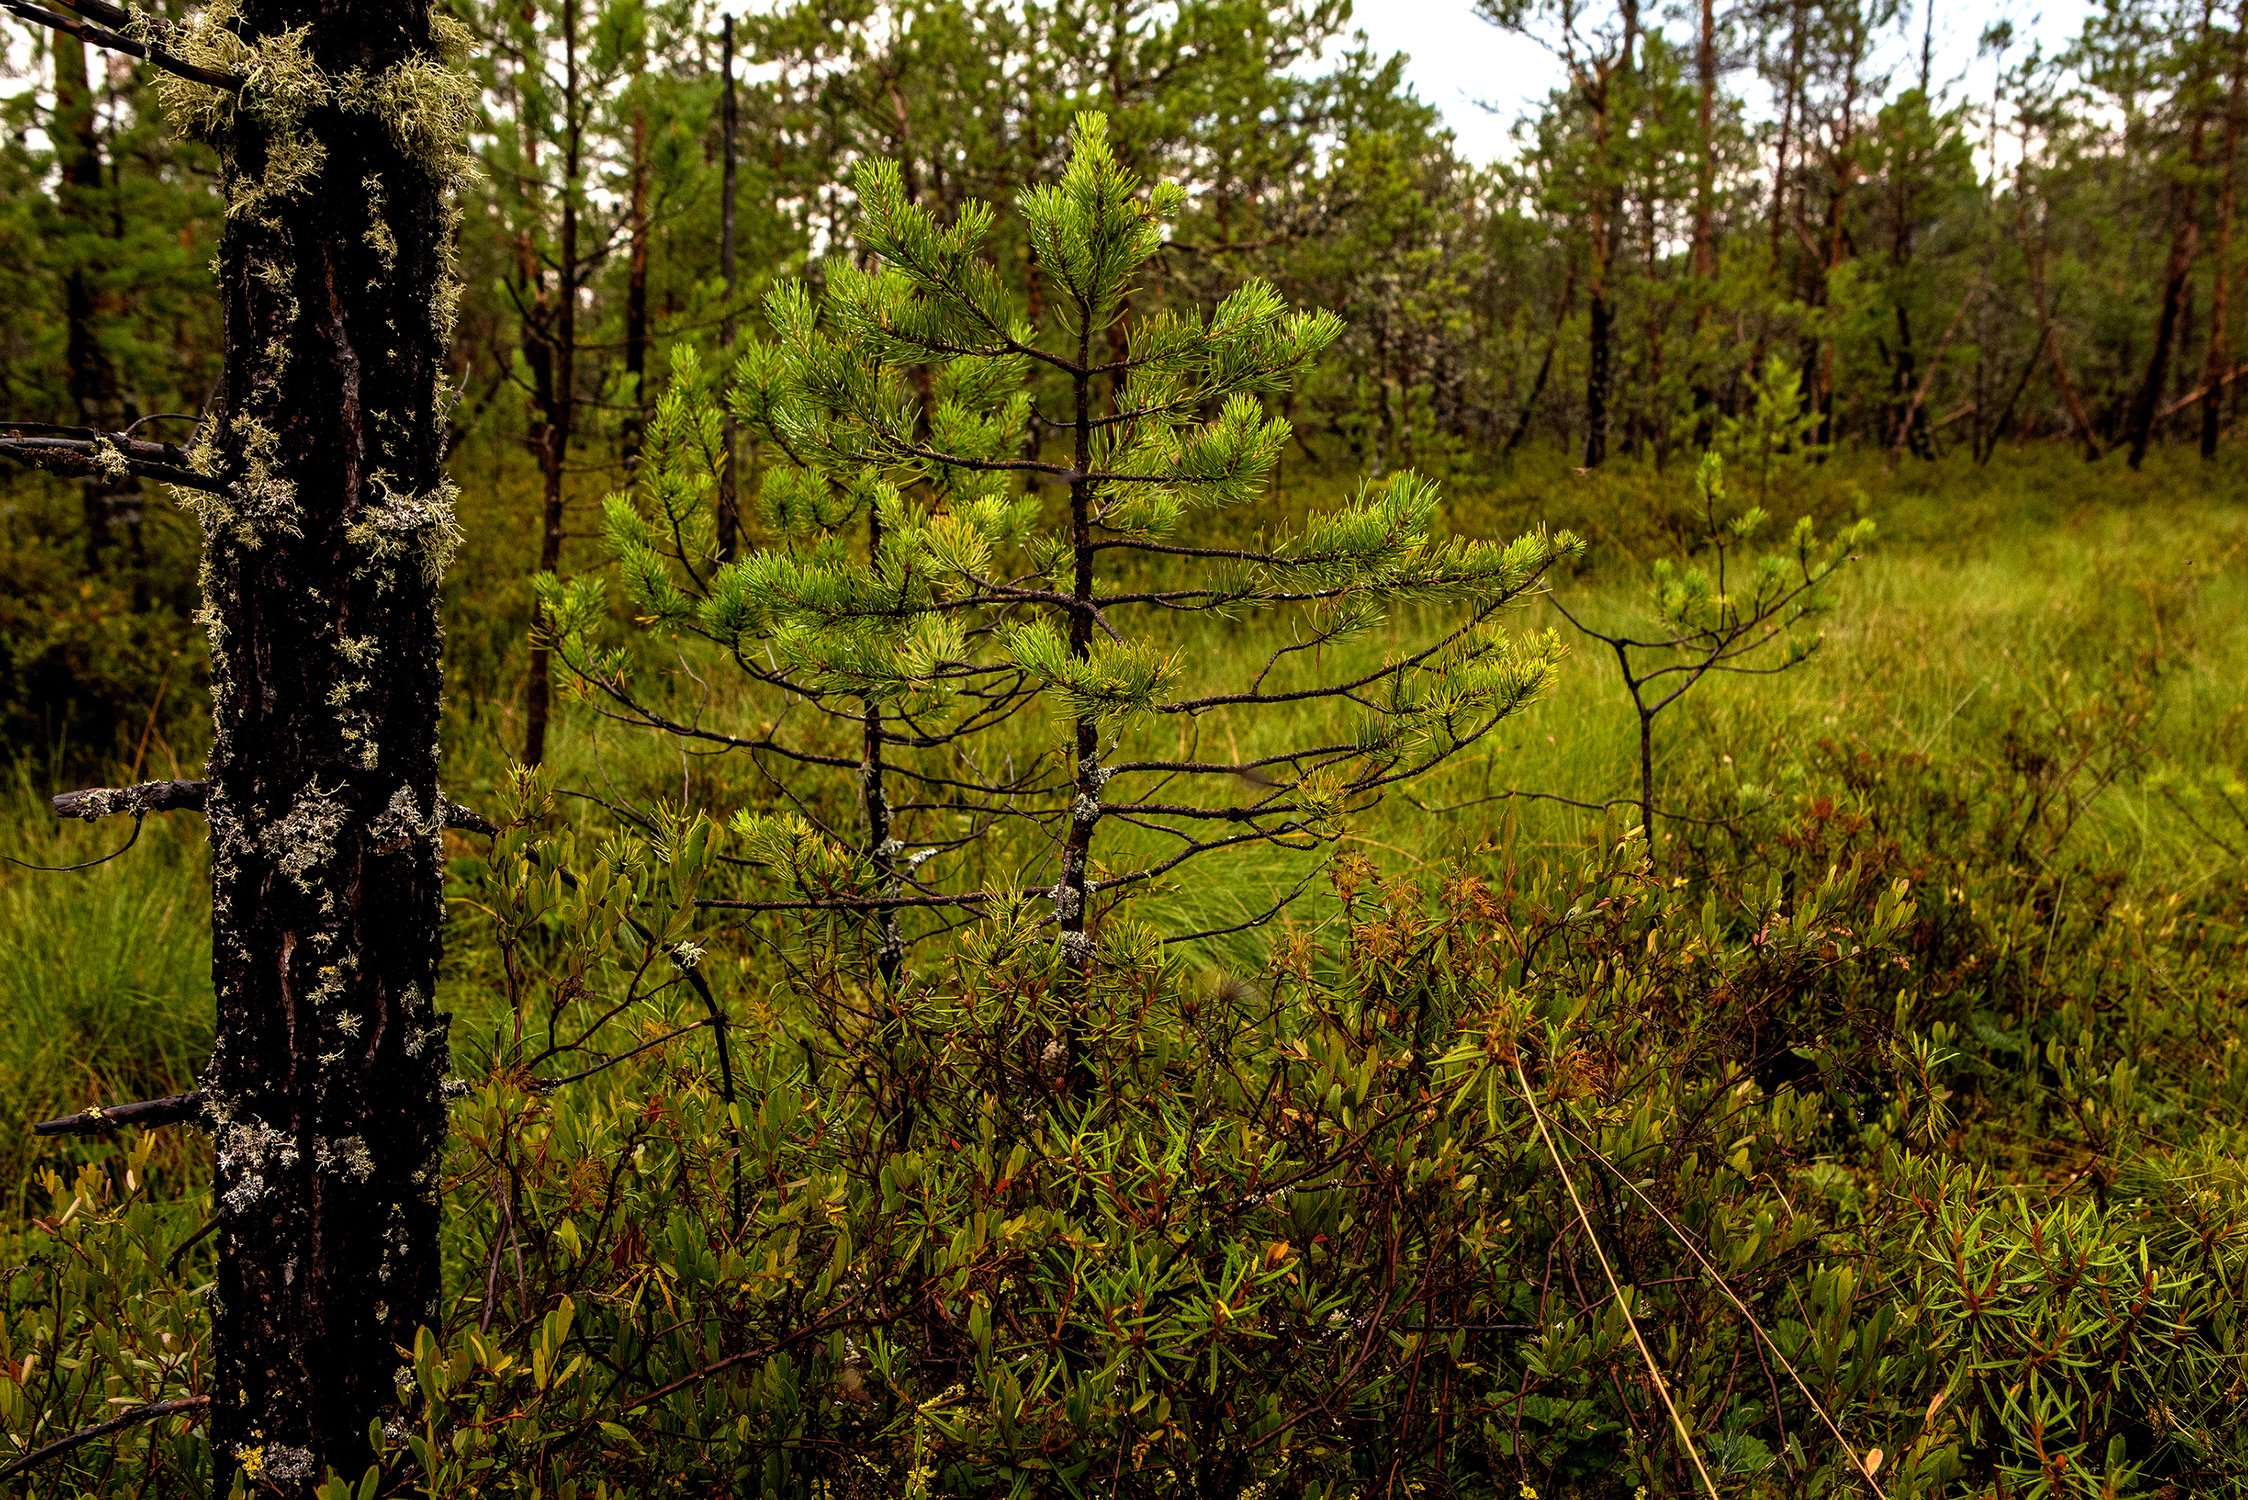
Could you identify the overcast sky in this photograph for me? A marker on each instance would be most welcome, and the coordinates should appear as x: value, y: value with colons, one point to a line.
x: 1459, y: 63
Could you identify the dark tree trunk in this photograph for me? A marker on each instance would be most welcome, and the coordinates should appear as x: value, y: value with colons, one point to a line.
x: 1599, y: 372
x: 1705, y: 153
x: 321, y: 567
x: 1562, y: 309
x: 2218, y: 357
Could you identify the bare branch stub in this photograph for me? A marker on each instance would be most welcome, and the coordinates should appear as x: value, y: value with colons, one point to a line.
x: 86, y: 452
x: 84, y: 1435
x: 172, y: 1109
x: 91, y: 804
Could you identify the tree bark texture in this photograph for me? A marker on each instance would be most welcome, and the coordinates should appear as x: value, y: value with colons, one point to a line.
x: 322, y: 555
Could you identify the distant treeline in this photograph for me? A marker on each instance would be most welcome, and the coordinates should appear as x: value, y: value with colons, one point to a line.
x: 2053, y: 259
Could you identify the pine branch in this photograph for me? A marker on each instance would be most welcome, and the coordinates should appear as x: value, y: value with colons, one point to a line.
x: 172, y: 1109
x: 85, y: 452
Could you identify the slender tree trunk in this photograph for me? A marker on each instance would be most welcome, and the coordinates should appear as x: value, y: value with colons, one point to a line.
x: 1608, y: 193
x: 1073, y: 892
x: 2185, y: 245
x: 560, y: 416
x: 1705, y: 147
x: 1703, y: 258
x: 320, y: 576
x: 1561, y: 312
x: 92, y: 378
x: 1791, y: 89
x: 1601, y: 322
x: 2215, y: 362
x: 1838, y: 202
x: 874, y: 796
x: 636, y: 296
x: 729, y: 114
x: 2033, y: 262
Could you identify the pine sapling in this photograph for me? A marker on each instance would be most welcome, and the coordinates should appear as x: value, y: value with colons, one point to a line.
x: 912, y: 571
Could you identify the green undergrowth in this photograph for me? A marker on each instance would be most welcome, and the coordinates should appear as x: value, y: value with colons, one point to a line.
x: 1899, y: 1080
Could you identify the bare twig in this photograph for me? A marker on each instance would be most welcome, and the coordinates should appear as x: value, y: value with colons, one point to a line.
x: 549, y: 1085
x: 1857, y: 1461
x: 84, y: 864
x: 119, y: 1423
x: 179, y: 1251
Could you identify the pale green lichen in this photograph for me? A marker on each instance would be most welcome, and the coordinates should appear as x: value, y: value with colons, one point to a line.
x: 403, y: 821
x: 346, y: 1157
x: 302, y: 843
x: 379, y: 238
x: 426, y: 103
x: 111, y: 461
x: 407, y: 523
x: 248, y: 1150
x: 289, y: 1465
x: 261, y: 499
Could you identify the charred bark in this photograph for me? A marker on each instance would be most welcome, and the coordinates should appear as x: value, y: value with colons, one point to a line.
x: 322, y: 555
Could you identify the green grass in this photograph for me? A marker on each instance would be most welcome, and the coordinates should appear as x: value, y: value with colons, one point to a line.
x: 105, y: 973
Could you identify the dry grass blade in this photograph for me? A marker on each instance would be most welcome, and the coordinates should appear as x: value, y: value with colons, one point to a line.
x: 1866, y: 1463
x: 1654, y: 1371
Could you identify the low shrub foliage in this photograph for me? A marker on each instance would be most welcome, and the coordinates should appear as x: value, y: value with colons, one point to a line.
x: 1906, y: 1160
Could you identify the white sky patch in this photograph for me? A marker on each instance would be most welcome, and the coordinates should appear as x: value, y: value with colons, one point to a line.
x: 1484, y: 79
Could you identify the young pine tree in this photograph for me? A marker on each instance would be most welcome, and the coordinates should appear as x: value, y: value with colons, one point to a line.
x: 916, y: 580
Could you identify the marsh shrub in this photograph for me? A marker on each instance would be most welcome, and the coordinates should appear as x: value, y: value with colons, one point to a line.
x: 1297, y: 1229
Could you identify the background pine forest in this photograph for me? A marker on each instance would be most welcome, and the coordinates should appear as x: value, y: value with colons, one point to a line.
x: 1852, y: 1102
